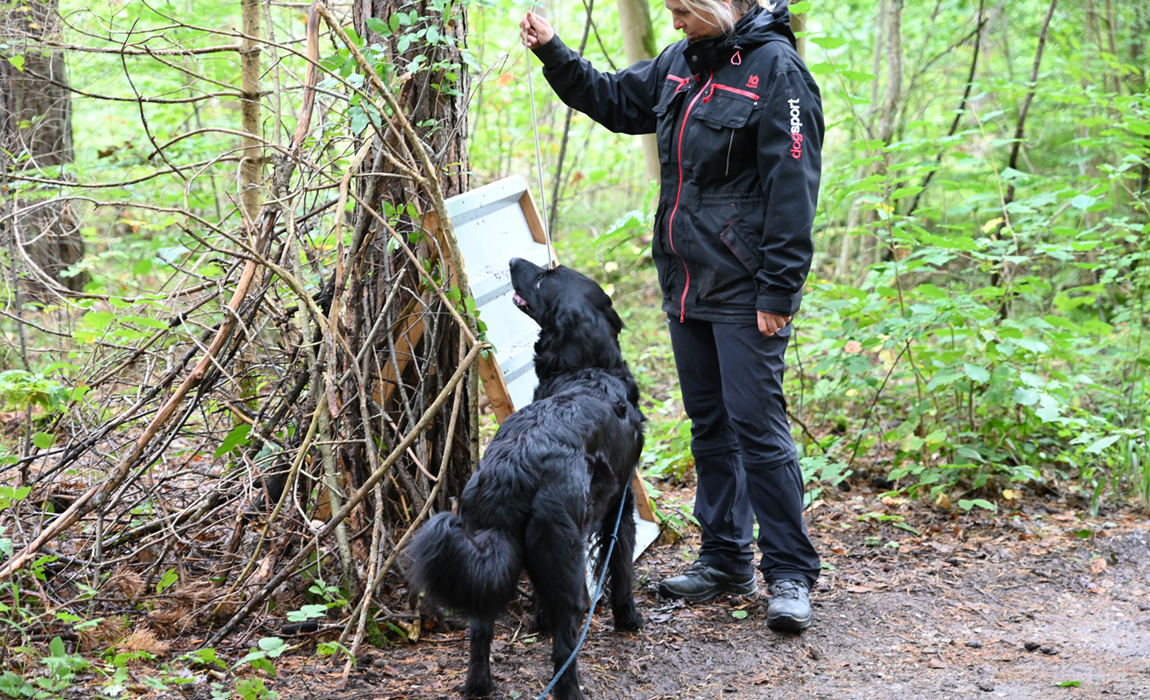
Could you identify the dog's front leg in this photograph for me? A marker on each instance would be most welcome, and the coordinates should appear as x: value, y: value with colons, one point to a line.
x: 479, y: 682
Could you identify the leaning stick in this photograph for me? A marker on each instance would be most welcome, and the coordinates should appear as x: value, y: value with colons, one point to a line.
x: 98, y: 495
x: 288, y: 570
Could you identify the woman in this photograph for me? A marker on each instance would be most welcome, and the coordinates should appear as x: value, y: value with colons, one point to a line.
x: 739, y: 125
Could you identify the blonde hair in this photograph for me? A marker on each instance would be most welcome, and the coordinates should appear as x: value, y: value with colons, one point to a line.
x: 725, y: 12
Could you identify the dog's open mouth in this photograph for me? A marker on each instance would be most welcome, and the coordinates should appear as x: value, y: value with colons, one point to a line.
x: 520, y: 301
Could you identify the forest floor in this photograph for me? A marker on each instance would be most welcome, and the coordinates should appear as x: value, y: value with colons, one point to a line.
x: 1032, y: 602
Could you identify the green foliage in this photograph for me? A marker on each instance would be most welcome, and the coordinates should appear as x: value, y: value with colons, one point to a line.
x: 20, y: 389
x: 991, y: 332
x: 261, y: 656
x: 254, y: 689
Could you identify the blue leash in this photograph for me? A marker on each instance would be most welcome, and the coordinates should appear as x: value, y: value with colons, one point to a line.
x: 594, y: 601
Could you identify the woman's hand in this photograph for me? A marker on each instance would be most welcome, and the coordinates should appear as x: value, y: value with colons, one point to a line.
x: 534, y: 31
x: 769, y: 324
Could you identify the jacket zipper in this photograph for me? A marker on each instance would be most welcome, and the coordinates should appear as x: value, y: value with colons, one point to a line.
x: 678, y: 192
x: 730, y: 145
x: 737, y: 91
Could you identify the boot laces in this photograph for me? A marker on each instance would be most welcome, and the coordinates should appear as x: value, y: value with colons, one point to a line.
x: 786, y: 588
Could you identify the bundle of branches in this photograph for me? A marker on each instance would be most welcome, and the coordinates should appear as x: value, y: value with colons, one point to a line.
x: 273, y: 395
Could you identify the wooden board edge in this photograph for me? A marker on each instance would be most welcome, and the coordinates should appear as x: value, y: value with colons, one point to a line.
x: 642, y: 500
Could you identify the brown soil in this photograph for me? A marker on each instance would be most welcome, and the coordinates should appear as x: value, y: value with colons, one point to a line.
x: 1019, y: 604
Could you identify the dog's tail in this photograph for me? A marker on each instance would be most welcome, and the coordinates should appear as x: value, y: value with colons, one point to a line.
x: 469, y: 572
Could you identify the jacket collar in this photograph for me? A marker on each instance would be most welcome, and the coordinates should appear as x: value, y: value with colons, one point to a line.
x: 758, y: 26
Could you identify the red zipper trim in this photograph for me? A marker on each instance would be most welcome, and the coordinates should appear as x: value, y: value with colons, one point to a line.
x: 735, y: 90
x: 677, y: 79
x: 678, y: 192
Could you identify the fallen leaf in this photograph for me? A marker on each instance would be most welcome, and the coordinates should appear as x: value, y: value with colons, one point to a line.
x: 859, y: 589
x: 1098, y: 566
x: 936, y: 663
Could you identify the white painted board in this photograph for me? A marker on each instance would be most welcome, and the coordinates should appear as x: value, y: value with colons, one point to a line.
x: 492, y: 228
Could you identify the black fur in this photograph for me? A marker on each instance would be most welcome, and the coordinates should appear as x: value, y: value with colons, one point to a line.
x: 552, y: 477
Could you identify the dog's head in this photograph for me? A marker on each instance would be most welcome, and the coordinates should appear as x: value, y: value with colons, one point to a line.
x: 578, y: 327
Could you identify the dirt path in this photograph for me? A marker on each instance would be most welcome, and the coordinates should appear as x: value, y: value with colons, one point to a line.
x: 975, y: 605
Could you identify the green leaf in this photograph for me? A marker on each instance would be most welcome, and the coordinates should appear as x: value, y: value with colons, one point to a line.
x: 932, y: 292
x: 859, y: 75
x: 956, y: 243
x: 145, y: 321
x: 798, y: 8
x: 976, y: 373
x: 905, y: 192
x: 1099, y: 445
x: 99, y: 320
x: 273, y: 646
x: 1024, y: 397
x: 143, y: 267
x: 237, y: 437
x: 1082, y: 202
x: 43, y: 440
x: 378, y: 26
x: 1048, y: 409
x: 822, y: 68
x: 828, y: 42
x: 739, y: 614
x: 904, y: 526
x: 1069, y: 684
x: 1033, y: 345
x: 307, y: 612
x: 170, y: 577
x: 18, y: 61
x: 205, y: 656
x: 980, y: 503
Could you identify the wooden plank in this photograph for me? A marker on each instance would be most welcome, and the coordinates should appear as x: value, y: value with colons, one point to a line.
x: 495, y: 387
x: 535, y: 222
x: 642, y: 500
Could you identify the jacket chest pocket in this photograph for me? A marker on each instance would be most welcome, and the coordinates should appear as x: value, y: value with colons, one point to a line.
x: 674, y: 89
x: 722, y: 143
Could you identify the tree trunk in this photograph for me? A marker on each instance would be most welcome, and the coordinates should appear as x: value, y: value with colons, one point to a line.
x: 406, y: 368
x: 250, y: 168
x: 639, y: 45
x: 799, y: 24
x: 36, y: 134
x: 855, y: 215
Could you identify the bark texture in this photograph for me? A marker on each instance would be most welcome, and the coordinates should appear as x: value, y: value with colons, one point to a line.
x: 36, y: 137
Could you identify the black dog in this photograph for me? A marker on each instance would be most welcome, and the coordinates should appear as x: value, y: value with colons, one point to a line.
x: 553, y: 475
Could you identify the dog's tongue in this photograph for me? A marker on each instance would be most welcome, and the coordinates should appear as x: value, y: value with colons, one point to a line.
x: 518, y: 299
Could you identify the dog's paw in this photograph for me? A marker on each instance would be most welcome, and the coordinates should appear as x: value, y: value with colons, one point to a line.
x: 541, y: 622
x: 628, y: 619
x: 482, y: 688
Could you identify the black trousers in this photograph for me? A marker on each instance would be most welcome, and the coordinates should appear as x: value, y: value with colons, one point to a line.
x: 731, y: 376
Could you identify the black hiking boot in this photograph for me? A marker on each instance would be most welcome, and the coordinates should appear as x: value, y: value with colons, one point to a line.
x: 703, y: 582
x: 790, y: 606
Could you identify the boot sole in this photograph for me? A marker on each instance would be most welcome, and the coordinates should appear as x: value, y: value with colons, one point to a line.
x: 731, y: 588
x: 787, y: 623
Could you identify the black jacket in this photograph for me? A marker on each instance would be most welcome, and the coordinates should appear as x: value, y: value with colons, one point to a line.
x: 740, y: 128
